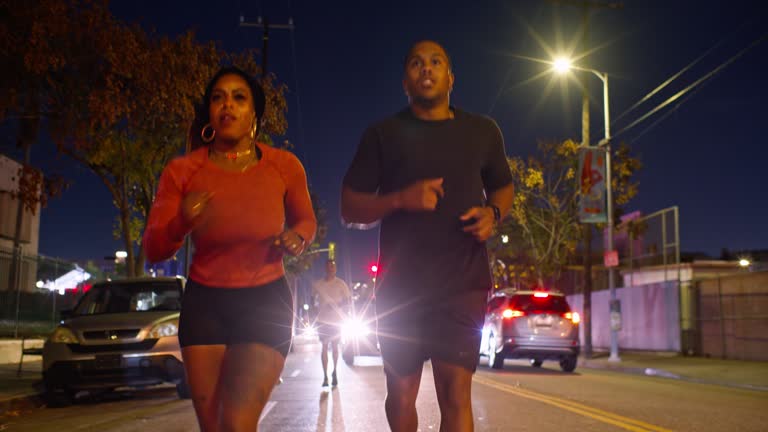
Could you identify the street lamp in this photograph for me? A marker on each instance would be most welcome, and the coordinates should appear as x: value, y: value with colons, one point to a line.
x: 563, y: 65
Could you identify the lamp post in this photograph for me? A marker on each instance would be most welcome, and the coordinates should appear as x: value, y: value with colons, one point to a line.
x: 563, y: 65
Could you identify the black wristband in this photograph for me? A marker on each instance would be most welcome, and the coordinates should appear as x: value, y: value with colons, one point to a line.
x: 496, y: 212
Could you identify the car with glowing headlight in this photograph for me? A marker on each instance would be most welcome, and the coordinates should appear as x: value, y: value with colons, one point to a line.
x: 121, y: 333
x: 530, y: 324
x: 358, y: 330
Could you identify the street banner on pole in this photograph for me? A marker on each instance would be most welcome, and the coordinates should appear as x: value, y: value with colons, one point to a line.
x: 592, y: 205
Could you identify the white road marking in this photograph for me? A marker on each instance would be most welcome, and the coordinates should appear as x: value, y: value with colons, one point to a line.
x: 295, y: 373
x: 267, y: 408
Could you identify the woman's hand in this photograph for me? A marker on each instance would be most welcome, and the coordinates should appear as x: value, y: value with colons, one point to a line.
x: 192, y: 206
x: 290, y: 242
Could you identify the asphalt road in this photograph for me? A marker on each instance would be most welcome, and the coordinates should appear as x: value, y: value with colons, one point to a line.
x: 519, y: 398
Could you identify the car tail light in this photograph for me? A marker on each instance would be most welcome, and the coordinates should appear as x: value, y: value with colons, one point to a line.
x: 541, y: 294
x: 511, y: 313
x: 573, y: 316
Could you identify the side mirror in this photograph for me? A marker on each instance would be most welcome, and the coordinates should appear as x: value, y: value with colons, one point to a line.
x: 66, y: 314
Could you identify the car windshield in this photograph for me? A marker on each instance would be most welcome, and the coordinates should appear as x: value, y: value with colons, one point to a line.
x: 533, y: 304
x: 117, y: 297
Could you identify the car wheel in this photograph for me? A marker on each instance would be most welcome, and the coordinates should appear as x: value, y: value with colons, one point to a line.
x: 182, y: 389
x: 348, y: 356
x: 536, y: 363
x: 495, y: 360
x: 568, y: 364
x: 59, y: 398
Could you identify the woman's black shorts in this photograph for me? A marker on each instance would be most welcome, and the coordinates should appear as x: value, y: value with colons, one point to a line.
x: 227, y: 316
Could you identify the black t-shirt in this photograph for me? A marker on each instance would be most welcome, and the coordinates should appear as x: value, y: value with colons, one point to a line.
x: 428, y: 251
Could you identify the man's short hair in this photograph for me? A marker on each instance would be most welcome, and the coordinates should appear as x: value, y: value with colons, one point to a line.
x: 410, y: 50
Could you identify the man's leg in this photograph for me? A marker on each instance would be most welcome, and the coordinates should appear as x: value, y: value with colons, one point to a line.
x: 453, y: 384
x: 400, y: 404
x: 454, y: 361
x: 335, y: 348
x: 324, y: 360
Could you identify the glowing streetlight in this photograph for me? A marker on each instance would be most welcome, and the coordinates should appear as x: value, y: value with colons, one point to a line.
x: 504, y: 238
x: 121, y: 254
x: 745, y: 262
x: 562, y: 65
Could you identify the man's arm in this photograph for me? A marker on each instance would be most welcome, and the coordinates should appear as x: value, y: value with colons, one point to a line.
x: 364, y: 210
x: 484, y: 218
x: 503, y: 199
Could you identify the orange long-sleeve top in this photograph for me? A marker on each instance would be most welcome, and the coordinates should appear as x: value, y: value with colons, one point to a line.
x: 233, y: 241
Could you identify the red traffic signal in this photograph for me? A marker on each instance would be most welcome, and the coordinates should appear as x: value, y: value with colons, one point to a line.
x: 374, y: 269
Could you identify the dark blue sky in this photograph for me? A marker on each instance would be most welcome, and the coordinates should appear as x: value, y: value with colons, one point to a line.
x: 708, y: 157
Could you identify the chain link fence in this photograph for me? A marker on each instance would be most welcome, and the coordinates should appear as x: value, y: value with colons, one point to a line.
x: 29, y: 310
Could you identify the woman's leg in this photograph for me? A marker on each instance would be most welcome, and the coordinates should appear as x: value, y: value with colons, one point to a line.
x: 250, y: 372
x: 203, y: 365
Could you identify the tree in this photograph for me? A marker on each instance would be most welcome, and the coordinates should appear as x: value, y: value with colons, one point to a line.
x: 544, y: 212
x: 544, y: 227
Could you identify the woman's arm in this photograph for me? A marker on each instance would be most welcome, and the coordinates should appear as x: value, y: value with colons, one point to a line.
x: 165, y: 230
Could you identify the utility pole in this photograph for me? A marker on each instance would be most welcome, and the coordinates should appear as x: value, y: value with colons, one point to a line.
x: 587, y: 6
x: 264, y: 24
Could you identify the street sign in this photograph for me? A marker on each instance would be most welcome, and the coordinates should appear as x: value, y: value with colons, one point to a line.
x: 611, y: 258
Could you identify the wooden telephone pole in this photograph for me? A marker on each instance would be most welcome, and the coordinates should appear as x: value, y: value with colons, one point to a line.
x: 265, y: 24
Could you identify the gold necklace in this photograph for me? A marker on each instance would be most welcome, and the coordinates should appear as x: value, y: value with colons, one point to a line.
x: 233, y: 156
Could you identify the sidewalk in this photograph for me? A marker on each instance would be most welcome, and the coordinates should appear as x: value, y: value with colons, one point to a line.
x: 19, y: 393
x: 732, y: 373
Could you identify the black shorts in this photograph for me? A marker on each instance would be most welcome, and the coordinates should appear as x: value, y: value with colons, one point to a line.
x: 227, y: 316
x: 328, y: 332
x: 446, y: 327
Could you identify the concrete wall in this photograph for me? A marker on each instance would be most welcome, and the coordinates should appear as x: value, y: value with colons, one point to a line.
x: 30, y: 226
x: 10, y: 350
x: 650, y: 317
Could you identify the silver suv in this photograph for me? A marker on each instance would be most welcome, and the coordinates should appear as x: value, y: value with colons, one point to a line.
x: 535, y: 325
x: 121, y: 333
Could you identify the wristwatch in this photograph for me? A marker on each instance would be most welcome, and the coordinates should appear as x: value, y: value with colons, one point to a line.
x: 496, y: 213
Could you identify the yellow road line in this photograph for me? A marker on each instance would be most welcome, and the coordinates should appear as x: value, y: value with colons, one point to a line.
x: 575, y: 407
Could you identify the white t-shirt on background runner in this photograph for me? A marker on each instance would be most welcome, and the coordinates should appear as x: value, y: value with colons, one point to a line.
x: 331, y: 294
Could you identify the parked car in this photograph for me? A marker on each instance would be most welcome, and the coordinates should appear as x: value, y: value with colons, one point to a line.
x: 535, y: 325
x: 120, y: 333
x: 358, y: 331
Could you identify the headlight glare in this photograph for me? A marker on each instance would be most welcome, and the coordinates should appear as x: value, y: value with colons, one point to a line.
x: 165, y: 329
x: 353, y: 329
x: 63, y: 335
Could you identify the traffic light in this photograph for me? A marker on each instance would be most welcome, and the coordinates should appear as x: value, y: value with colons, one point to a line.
x: 374, y: 269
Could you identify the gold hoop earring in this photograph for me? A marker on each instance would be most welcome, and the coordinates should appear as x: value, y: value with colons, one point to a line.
x: 207, y: 136
x: 254, y: 128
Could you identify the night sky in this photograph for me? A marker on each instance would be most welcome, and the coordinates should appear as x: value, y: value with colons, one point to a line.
x: 708, y: 156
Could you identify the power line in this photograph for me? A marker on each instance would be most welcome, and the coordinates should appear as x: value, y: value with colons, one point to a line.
x: 674, y: 77
x: 668, y: 81
x: 695, y: 83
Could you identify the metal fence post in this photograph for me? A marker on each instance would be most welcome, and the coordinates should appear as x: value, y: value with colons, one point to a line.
x: 722, y: 319
x: 17, y: 285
